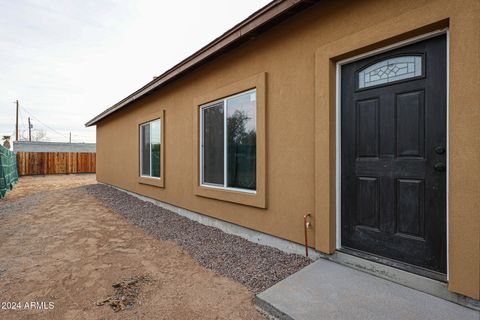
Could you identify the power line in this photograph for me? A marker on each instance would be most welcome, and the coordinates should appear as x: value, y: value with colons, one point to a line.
x: 81, y: 135
x: 66, y: 137
x: 22, y: 125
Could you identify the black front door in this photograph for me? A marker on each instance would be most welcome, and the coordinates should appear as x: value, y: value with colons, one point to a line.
x: 393, y: 155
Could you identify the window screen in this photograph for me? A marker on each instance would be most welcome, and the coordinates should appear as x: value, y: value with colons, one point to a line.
x: 213, y: 144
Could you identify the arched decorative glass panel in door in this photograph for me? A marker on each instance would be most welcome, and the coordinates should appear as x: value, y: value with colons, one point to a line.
x: 391, y: 70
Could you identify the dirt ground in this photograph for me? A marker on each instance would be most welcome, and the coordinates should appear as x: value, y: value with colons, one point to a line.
x: 59, y: 245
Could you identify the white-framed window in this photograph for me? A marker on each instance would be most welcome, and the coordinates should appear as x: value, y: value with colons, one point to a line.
x: 150, y: 139
x: 228, y: 131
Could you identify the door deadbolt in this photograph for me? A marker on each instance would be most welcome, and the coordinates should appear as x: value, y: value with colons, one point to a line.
x: 440, y: 149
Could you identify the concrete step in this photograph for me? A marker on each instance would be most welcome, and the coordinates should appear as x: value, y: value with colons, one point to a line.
x: 328, y: 290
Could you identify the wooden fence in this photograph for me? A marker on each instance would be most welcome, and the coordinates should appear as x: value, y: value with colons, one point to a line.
x: 34, y: 163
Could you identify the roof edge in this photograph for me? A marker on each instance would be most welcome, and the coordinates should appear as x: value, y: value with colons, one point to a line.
x: 254, y: 22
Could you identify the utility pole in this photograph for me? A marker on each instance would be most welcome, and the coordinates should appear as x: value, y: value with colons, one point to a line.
x: 70, y: 140
x: 16, y: 124
x: 29, y: 130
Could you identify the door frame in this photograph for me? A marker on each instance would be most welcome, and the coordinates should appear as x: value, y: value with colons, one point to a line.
x: 338, y: 140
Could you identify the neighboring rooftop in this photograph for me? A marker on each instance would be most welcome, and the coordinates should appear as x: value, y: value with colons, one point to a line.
x: 40, y: 146
x: 267, y: 17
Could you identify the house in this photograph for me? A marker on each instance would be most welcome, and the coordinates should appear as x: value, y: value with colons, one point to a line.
x: 363, y: 114
x: 43, y: 146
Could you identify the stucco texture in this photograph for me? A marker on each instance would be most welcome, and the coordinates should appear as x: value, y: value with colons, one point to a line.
x: 298, y: 58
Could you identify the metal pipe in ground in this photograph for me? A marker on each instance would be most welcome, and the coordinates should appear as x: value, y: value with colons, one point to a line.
x: 306, y: 226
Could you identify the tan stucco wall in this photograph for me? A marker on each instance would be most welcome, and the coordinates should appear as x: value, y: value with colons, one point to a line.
x: 298, y: 58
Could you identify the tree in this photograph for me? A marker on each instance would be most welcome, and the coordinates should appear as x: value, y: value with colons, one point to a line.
x: 6, y: 142
x: 37, y: 135
x: 241, y: 151
x: 237, y: 131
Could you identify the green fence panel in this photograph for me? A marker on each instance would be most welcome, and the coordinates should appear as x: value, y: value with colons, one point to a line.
x: 8, y: 170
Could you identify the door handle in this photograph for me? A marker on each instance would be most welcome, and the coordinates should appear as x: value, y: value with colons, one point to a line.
x: 440, y: 167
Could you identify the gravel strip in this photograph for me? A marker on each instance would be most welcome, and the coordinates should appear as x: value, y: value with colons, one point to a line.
x: 258, y: 267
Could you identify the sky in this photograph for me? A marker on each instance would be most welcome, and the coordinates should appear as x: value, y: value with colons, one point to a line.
x: 66, y: 61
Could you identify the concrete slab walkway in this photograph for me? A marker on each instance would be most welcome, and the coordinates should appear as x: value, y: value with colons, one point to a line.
x: 327, y: 290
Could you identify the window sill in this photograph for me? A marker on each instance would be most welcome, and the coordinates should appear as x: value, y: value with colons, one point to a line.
x: 237, y: 196
x: 156, y: 182
x: 216, y: 187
